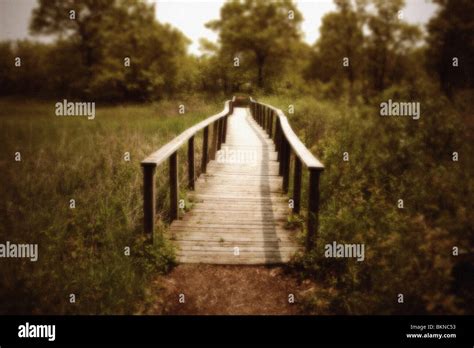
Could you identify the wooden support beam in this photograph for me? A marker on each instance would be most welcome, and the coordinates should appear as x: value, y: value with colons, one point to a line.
x: 149, y: 204
x: 313, y: 208
x: 270, y: 124
x: 225, y: 129
x: 297, y: 186
x: 174, y: 188
x: 286, y: 167
x: 214, y: 141
x: 281, y: 155
x: 191, y: 163
x: 205, y: 144
x: 278, y: 138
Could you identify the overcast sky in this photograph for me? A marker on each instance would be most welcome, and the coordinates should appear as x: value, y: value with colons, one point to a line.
x: 189, y: 16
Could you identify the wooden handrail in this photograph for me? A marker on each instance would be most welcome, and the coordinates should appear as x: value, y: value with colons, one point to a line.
x: 170, y: 151
x: 276, y: 124
x: 308, y: 159
x: 165, y: 151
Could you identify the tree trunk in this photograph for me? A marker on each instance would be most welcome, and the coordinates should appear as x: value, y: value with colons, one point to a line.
x: 260, y: 65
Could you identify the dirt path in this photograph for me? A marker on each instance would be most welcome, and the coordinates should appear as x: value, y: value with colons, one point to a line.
x: 216, y: 289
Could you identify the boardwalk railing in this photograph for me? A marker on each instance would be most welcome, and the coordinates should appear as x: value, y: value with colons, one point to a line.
x: 276, y: 124
x: 170, y: 152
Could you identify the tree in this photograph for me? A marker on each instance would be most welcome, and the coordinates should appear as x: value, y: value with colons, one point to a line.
x: 373, y: 35
x: 451, y: 34
x: 389, y: 41
x: 105, y: 34
x: 338, y: 52
x: 78, y: 20
x: 265, y: 29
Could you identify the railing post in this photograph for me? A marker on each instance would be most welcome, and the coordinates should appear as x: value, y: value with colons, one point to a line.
x: 149, y: 198
x: 286, y: 167
x: 173, y: 164
x: 313, y: 207
x: 282, y: 155
x: 205, y: 144
x: 270, y: 124
x: 265, y: 121
x: 225, y: 129
x: 297, y: 186
x: 221, y: 133
x: 214, y: 140
x: 278, y: 138
x: 191, y: 163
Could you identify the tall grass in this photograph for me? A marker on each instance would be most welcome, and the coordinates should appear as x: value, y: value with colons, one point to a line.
x: 82, y: 250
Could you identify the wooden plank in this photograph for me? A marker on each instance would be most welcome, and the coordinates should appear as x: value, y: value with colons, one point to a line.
x: 237, y: 204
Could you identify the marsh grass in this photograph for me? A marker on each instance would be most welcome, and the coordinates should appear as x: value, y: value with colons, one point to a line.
x: 81, y: 250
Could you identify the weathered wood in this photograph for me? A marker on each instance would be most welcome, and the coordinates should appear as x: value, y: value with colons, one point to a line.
x: 270, y: 126
x: 205, y: 144
x: 165, y: 151
x: 149, y: 202
x: 225, y: 128
x: 191, y: 163
x: 174, y: 188
x: 214, y: 141
x: 313, y: 208
x: 286, y: 166
x: 238, y: 203
x: 278, y: 139
x: 220, y: 133
x: 300, y: 150
x: 297, y: 186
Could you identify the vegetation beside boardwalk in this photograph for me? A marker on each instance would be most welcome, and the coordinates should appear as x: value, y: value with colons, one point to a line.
x: 82, y: 250
x: 366, y: 54
x: 409, y: 250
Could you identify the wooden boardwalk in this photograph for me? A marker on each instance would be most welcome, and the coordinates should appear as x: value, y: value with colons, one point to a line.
x: 240, y: 202
x: 240, y: 210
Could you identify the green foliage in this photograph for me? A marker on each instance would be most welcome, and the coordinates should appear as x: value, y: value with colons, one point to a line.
x: 81, y: 250
x: 90, y: 58
x: 451, y: 34
x: 408, y: 250
x: 378, y: 44
x: 261, y: 33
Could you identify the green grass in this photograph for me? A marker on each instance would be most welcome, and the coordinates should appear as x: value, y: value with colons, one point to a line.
x: 81, y: 250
